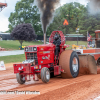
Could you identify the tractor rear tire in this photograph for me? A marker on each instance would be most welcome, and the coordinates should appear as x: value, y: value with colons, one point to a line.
x: 20, y: 78
x: 45, y: 74
x: 69, y: 62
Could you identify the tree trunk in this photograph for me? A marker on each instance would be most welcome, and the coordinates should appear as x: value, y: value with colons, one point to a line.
x: 21, y: 41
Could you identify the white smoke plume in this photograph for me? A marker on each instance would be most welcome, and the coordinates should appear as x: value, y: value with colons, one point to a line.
x: 94, y: 6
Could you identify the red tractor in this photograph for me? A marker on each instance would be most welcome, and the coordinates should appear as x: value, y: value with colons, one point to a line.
x: 48, y: 60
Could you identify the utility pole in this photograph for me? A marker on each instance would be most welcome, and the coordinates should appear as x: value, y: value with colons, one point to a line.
x: 77, y: 31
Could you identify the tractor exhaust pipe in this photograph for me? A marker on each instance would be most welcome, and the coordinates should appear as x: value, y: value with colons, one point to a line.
x: 44, y: 38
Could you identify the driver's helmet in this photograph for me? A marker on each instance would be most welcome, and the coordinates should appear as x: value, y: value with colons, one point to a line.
x: 56, y: 36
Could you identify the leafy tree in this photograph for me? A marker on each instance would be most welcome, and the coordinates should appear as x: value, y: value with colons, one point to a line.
x: 71, y: 12
x: 23, y: 32
x: 25, y: 12
x: 77, y: 16
x: 89, y: 22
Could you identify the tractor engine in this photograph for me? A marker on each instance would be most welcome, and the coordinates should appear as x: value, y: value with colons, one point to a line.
x: 39, y: 54
x: 31, y: 55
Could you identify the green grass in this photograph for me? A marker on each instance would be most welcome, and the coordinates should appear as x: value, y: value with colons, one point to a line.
x: 13, y: 58
x: 19, y: 58
x: 14, y: 45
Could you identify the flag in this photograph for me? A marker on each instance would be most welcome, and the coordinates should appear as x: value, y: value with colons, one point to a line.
x: 88, y: 45
x: 88, y: 37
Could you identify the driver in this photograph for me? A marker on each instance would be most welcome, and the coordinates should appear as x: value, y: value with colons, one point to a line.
x: 57, y: 42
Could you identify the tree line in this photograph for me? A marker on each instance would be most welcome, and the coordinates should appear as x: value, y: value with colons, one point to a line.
x: 77, y: 15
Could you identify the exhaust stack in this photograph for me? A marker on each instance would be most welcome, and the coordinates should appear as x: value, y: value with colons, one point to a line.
x: 44, y: 38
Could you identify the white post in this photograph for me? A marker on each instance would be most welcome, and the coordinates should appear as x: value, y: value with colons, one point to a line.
x: 87, y: 34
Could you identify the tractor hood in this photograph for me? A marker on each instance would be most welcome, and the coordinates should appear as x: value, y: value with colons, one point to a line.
x: 37, y: 48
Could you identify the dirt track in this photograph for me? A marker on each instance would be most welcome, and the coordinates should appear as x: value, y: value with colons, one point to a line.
x: 85, y: 87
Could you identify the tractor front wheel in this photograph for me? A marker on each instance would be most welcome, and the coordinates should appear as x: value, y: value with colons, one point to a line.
x: 20, y: 78
x: 45, y: 74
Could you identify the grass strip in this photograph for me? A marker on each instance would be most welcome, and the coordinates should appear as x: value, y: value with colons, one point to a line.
x: 12, y: 58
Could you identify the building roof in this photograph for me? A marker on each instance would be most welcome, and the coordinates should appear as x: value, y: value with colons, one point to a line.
x: 3, y: 4
x: 74, y: 35
x: 4, y: 33
x: 97, y: 31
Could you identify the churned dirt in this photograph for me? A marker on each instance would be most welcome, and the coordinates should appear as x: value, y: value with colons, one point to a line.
x: 85, y: 87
